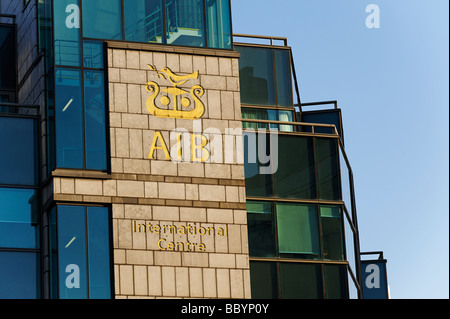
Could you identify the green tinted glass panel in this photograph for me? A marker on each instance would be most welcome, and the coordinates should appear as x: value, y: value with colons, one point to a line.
x: 335, y: 282
x: 258, y: 181
x: 102, y: 19
x: 218, y: 24
x: 66, y: 17
x: 301, y: 281
x: 258, y: 114
x: 261, y: 229
x: 284, y: 78
x: 257, y: 78
x: 264, y: 283
x: 185, y: 23
x: 327, y: 157
x: 144, y: 21
x: 295, y: 176
x: 298, y: 231
x: 332, y: 233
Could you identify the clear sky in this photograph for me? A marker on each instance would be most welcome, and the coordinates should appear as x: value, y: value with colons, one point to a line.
x: 392, y: 86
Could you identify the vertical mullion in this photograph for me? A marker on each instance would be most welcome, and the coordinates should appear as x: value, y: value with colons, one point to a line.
x: 87, y: 250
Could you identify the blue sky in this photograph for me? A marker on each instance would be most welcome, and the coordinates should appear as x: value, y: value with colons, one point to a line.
x: 392, y: 86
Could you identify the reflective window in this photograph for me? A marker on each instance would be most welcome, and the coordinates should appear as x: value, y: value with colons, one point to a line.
x: 283, y: 77
x: 335, y: 281
x: 19, y: 275
x: 94, y: 120
x: 7, y: 58
x: 258, y: 181
x: 256, y: 74
x: 219, y: 24
x: 83, y: 252
x: 102, y: 19
x: 67, y: 32
x: 264, y: 282
x: 327, y: 157
x: 301, y: 281
x: 19, y: 161
x: 69, y: 119
x: 93, y: 54
x: 295, y: 177
x: 144, y: 21
x: 258, y: 114
x: 185, y: 23
x: 261, y: 229
x: 265, y: 76
x: 332, y: 232
x: 19, y: 227
x: 298, y: 231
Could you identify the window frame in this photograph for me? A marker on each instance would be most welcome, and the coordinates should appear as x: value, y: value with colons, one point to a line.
x: 54, y: 244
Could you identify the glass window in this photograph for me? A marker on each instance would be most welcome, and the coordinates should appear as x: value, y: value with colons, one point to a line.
x: 257, y: 78
x: 93, y: 54
x: 185, y: 23
x: 69, y: 119
x: 263, y: 277
x: 94, y: 120
x: 102, y: 19
x: 301, y: 281
x: 72, y: 252
x: 298, y: 231
x: 7, y: 58
x: 19, y: 275
x: 67, y: 32
x: 258, y: 114
x: 257, y: 181
x: 144, y: 21
x: 295, y: 176
x: 261, y: 229
x: 335, y: 281
x: 218, y: 24
x: 284, y: 78
x: 83, y: 252
x: 286, y: 116
x: 18, y: 139
x: 332, y: 234
x: 19, y: 226
x: 98, y: 253
x: 327, y: 157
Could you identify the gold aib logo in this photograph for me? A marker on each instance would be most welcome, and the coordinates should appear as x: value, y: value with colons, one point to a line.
x: 180, y: 104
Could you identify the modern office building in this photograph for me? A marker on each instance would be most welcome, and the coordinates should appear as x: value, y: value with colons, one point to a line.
x: 146, y: 152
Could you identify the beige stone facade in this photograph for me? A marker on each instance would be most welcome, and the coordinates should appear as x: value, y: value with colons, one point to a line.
x: 179, y: 228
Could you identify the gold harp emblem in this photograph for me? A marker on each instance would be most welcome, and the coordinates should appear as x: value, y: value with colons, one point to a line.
x: 175, y: 96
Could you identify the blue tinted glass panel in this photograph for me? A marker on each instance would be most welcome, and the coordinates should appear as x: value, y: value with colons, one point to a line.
x: 257, y: 78
x: 99, y: 255
x: 19, y: 275
x: 19, y: 226
x: 102, y: 19
x: 67, y: 32
x: 19, y: 151
x: 185, y: 24
x: 72, y: 252
x: 93, y: 54
x: 218, y: 24
x: 94, y: 115
x: 324, y: 117
x: 7, y: 58
x: 144, y: 21
x: 69, y: 119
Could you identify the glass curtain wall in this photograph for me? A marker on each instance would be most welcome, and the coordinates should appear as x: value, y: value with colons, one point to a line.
x: 81, y: 252
x: 19, y: 210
